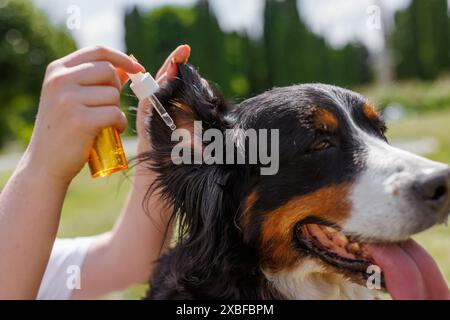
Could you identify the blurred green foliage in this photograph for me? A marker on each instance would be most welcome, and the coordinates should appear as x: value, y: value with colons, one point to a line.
x: 421, y: 39
x: 293, y: 54
x: 28, y: 44
x: 287, y: 53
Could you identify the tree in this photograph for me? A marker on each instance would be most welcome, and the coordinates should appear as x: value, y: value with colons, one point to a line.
x: 30, y: 44
x: 421, y: 39
x: 287, y: 53
x: 296, y: 55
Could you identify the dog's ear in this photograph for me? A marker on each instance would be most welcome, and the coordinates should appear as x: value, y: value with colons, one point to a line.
x: 188, y: 99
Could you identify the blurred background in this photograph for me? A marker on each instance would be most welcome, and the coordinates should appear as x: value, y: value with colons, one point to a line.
x: 396, y: 52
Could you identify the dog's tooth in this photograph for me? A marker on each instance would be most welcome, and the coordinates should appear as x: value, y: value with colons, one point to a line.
x: 330, y: 230
x: 341, y: 240
x: 353, y: 248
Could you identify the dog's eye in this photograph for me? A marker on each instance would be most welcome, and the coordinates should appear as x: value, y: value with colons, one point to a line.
x: 382, y: 131
x: 321, y: 145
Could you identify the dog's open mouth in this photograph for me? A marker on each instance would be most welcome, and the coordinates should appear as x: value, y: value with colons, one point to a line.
x: 335, y: 248
x: 408, y: 271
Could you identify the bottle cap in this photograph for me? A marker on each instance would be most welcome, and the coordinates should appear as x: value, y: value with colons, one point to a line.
x: 143, y: 85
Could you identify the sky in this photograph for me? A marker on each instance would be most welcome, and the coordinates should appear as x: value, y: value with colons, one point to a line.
x: 339, y: 21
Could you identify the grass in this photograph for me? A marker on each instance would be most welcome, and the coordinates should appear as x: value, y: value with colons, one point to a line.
x: 415, y: 96
x: 92, y: 205
x: 435, y: 124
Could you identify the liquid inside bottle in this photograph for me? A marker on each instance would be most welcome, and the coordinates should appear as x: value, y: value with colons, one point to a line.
x: 107, y: 155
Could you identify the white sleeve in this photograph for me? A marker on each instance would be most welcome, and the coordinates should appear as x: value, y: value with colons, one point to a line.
x: 63, y: 269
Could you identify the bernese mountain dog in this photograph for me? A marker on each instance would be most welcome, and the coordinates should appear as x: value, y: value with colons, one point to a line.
x: 342, y: 205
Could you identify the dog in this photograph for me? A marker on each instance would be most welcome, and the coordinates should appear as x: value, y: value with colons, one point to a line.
x: 343, y: 199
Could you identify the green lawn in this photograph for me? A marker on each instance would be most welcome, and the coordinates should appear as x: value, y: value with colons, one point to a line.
x: 92, y: 205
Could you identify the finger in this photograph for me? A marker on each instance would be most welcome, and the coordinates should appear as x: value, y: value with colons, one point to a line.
x: 107, y: 116
x: 96, y: 73
x: 93, y: 96
x: 100, y: 53
x: 179, y: 55
x: 123, y: 76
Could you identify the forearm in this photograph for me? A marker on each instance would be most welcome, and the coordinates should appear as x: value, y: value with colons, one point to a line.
x: 145, y: 229
x: 126, y: 255
x: 30, y: 207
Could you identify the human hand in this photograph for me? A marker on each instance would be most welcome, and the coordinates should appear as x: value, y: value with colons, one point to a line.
x: 80, y: 96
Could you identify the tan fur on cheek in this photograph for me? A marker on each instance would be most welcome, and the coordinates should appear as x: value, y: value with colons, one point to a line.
x: 278, y: 253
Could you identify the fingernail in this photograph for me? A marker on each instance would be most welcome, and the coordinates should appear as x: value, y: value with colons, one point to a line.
x: 141, y: 66
x: 172, y: 61
x: 133, y: 58
x: 136, y: 63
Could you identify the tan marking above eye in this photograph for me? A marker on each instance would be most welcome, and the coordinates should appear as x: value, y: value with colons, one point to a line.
x: 325, y: 120
x: 370, y: 111
x: 330, y: 204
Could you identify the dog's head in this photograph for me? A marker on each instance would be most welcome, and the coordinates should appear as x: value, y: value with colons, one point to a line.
x: 338, y: 184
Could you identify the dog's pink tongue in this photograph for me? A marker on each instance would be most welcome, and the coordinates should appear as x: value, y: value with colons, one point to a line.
x: 409, y: 271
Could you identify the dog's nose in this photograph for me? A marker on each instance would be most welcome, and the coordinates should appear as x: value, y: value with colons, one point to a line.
x: 434, y: 190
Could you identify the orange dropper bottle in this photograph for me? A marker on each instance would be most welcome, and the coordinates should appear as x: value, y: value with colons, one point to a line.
x: 107, y: 155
